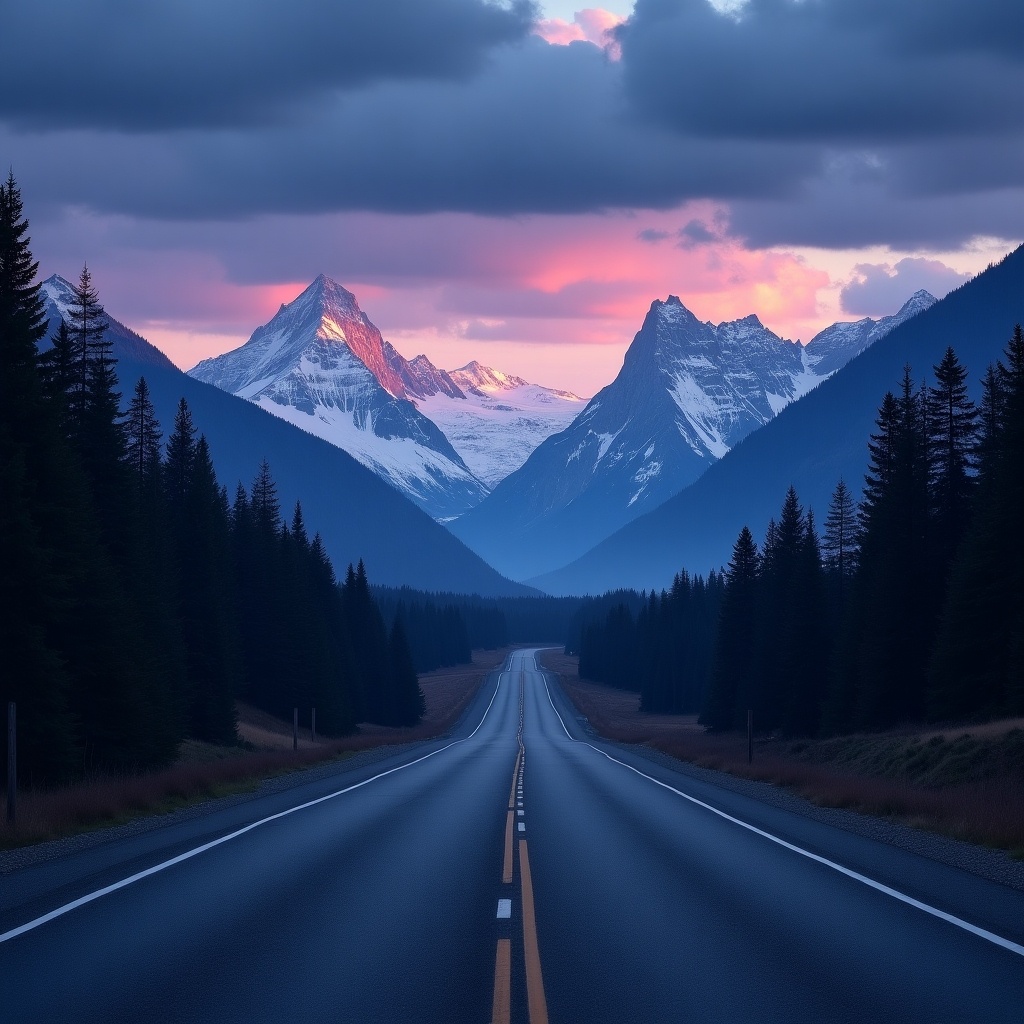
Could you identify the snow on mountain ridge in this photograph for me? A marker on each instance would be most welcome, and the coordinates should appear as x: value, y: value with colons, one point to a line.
x: 688, y: 392
x: 323, y: 366
x: 498, y: 419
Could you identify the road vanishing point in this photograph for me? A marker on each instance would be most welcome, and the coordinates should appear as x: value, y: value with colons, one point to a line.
x: 520, y: 870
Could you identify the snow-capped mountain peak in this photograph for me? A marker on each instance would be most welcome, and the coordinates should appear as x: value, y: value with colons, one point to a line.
x: 474, y: 376
x: 835, y: 346
x: 322, y: 365
x: 496, y: 419
x: 688, y: 392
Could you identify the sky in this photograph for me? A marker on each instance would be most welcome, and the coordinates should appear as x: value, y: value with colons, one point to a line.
x: 512, y: 182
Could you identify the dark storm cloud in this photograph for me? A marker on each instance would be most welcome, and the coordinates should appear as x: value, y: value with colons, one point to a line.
x: 878, y: 288
x: 149, y: 65
x: 541, y: 129
x: 821, y: 122
x: 828, y: 70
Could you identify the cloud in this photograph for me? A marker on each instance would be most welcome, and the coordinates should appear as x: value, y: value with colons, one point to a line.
x: 541, y: 129
x: 879, y: 289
x: 824, y: 123
x: 653, y: 236
x: 592, y: 25
x: 144, y: 66
x: 869, y: 72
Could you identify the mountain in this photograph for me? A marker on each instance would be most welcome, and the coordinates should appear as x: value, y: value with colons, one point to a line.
x: 323, y: 366
x: 835, y: 346
x: 357, y: 513
x: 495, y: 420
x: 687, y: 393
x: 811, y: 444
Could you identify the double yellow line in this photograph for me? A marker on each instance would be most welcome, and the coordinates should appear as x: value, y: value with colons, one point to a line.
x: 536, y: 1002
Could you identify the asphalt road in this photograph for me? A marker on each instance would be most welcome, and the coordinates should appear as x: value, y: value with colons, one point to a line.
x: 520, y: 872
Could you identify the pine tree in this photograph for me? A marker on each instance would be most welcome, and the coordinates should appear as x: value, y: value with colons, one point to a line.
x: 38, y: 495
x: 406, y: 705
x: 840, y: 545
x: 790, y: 664
x: 143, y: 436
x: 57, y: 368
x: 953, y: 440
x: 729, y: 694
x: 207, y: 606
x: 978, y: 663
x: 181, y: 455
x: 22, y: 315
x: 898, y: 585
x: 87, y: 325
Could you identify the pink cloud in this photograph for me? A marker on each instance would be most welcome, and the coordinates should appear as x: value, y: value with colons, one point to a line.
x: 591, y: 25
x: 556, y: 299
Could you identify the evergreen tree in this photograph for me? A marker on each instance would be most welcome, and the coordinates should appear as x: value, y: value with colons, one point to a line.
x: 896, y: 594
x: 143, y: 437
x: 57, y: 368
x: 977, y: 667
x: 36, y: 495
x: 87, y: 325
x: 369, y: 638
x: 840, y: 545
x: 405, y: 703
x: 790, y: 628
x: 952, y: 439
x: 729, y: 696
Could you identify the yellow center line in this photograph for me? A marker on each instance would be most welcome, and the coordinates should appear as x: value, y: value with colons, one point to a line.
x: 506, y: 873
x: 535, y: 1000
x: 501, y: 1008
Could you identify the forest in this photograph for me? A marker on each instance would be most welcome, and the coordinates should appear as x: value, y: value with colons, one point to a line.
x: 141, y: 598
x: 907, y: 607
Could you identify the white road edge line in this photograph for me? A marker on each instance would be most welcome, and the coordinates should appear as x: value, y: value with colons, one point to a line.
x: 981, y: 933
x: 188, y: 854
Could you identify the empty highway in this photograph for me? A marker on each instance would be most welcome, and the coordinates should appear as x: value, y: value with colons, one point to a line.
x: 518, y: 871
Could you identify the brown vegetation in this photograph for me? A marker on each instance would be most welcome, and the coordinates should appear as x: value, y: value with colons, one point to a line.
x: 965, y: 781
x: 203, y: 770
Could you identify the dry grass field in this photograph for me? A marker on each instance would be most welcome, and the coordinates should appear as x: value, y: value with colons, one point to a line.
x: 963, y: 781
x: 204, y: 770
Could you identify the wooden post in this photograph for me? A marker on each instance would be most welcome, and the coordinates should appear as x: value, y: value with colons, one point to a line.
x: 12, y: 762
x: 312, y: 727
x: 750, y: 736
x: 295, y: 728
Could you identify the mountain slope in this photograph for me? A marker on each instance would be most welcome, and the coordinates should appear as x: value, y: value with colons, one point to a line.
x: 688, y: 391
x: 495, y: 420
x: 323, y: 366
x: 357, y: 513
x: 810, y: 444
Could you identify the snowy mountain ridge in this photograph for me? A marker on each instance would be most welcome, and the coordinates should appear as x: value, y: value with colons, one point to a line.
x: 688, y: 392
x: 443, y: 439
x: 323, y: 366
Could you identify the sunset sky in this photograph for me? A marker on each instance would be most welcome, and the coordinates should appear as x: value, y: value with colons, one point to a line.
x: 512, y: 183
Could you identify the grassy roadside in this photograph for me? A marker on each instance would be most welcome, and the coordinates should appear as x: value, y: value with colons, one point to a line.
x: 204, y: 771
x: 962, y: 781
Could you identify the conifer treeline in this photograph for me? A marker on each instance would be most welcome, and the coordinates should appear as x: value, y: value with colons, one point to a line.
x: 139, y: 602
x: 490, y: 622
x: 909, y: 607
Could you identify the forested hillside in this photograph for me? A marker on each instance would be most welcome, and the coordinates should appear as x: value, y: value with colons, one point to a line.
x: 140, y: 598
x: 909, y: 606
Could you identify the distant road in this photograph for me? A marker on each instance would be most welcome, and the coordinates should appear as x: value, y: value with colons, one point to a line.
x: 520, y: 872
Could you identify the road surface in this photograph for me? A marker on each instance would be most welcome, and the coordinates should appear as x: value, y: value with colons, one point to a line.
x: 519, y: 871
